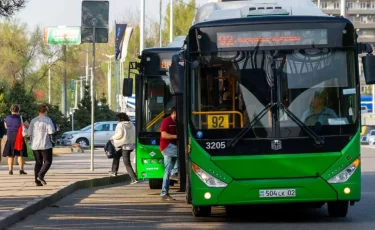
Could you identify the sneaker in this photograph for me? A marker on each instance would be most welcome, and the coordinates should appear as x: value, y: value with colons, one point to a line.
x: 174, y: 177
x: 134, y: 182
x: 167, y: 197
x: 112, y: 173
x: 38, y: 184
x: 41, y: 180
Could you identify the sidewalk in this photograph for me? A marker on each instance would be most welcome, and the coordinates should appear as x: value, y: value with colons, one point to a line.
x: 19, y: 197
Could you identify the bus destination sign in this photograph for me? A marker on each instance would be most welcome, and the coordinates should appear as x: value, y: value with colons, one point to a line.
x: 165, y: 64
x: 272, y: 38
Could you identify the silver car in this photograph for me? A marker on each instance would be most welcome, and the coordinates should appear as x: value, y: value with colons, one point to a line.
x: 103, y: 131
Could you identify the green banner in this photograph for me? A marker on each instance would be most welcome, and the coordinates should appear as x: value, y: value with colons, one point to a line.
x: 62, y: 35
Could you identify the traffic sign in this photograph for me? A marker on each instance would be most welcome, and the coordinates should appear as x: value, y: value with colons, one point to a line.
x: 95, y: 12
x: 62, y: 35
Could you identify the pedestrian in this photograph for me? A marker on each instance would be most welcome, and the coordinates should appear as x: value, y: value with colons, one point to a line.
x: 40, y: 131
x: 124, y: 138
x: 168, y: 147
x: 2, y: 133
x: 12, y: 123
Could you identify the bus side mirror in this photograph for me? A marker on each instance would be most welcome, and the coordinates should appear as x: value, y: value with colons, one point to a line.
x: 127, y: 89
x: 368, y: 62
x: 176, y: 75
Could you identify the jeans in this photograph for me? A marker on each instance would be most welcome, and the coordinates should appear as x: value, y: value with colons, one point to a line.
x: 171, y: 166
x: 43, y: 161
x: 126, y: 158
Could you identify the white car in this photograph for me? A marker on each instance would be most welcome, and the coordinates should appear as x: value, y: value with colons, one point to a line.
x: 364, y: 109
x: 103, y: 131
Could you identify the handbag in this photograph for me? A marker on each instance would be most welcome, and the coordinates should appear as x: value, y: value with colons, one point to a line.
x: 24, y: 129
x: 109, y: 150
x: 18, y: 144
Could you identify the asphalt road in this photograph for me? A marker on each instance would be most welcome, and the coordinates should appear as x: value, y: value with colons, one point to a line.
x: 135, y: 206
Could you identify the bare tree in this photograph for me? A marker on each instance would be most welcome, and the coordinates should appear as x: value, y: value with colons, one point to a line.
x: 9, y: 7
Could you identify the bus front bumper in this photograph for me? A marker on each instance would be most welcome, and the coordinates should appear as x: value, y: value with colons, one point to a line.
x: 301, y: 190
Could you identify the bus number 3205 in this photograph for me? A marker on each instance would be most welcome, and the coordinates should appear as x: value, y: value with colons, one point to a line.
x: 215, y: 145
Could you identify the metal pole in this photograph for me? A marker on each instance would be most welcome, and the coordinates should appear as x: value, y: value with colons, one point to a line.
x: 142, y: 39
x: 73, y: 120
x: 49, y: 85
x: 373, y: 99
x: 76, y: 95
x: 63, y: 85
x: 87, y: 67
x: 160, y: 22
x: 318, y: 4
x: 82, y: 87
x: 171, y: 22
x: 93, y: 94
x: 343, y: 8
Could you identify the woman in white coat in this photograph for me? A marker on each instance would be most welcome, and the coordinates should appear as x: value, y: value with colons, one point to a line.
x: 124, y: 138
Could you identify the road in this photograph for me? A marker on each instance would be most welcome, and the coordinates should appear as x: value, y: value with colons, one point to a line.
x: 135, y: 206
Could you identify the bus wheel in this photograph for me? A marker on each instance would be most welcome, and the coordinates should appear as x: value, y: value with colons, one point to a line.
x: 155, y: 183
x: 338, y: 208
x: 201, y: 211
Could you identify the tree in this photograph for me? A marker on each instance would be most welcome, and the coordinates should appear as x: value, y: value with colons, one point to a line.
x: 9, y: 7
x: 183, y: 15
x: 18, y: 95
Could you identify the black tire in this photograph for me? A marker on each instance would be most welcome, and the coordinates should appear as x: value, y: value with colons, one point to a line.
x: 338, y: 208
x: 155, y: 183
x: 201, y: 211
x: 82, y: 140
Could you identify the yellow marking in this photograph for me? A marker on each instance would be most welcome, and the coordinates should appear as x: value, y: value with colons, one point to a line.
x: 218, y: 121
x: 220, y: 113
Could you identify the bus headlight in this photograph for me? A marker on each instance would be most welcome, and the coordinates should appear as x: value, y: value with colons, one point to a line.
x: 345, y: 174
x: 206, y: 178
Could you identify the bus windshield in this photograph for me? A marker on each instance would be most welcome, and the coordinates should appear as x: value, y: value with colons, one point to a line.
x: 232, y: 89
x: 157, y: 102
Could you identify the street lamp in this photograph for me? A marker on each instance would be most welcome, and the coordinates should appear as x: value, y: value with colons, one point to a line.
x: 109, y: 79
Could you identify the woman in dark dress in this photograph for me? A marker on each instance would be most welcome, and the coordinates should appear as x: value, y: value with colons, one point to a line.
x: 12, y: 123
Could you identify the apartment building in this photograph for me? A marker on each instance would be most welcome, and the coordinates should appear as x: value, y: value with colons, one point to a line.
x: 361, y: 13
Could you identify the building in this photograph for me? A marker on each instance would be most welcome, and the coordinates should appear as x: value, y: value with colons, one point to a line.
x: 362, y: 14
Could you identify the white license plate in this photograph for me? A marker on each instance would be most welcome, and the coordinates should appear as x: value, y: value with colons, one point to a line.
x: 277, y: 193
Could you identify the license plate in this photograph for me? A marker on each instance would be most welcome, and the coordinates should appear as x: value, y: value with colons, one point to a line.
x: 277, y: 193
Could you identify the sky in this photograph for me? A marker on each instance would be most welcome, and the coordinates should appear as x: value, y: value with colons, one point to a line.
x: 68, y: 12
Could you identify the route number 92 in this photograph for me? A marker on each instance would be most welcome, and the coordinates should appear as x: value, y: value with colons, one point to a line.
x: 215, y: 145
x: 218, y: 121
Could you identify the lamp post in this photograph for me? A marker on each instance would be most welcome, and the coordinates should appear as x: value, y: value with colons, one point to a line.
x: 109, y: 79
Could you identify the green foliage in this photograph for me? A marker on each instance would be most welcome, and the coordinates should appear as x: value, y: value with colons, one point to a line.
x: 82, y: 116
x: 18, y: 95
x: 183, y: 15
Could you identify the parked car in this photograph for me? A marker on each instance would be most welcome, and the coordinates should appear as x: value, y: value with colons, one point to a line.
x: 364, y: 109
x: 371, y: 137
x: 364, y: 140
x: 103, y: 131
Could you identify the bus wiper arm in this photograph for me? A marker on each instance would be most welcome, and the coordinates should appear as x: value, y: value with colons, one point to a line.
x: 318, y: 140
x: 244, y: 131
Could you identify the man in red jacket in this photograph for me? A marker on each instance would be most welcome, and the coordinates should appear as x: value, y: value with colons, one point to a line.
x: 168, y: 147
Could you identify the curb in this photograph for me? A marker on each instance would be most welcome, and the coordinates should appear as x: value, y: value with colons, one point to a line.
x: 31, y: 207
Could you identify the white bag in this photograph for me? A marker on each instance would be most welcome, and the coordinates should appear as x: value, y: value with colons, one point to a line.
x: 24, y: 129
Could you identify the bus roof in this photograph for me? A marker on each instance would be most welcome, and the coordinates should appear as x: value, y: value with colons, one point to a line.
x: 161, y: 50
x: 220, y: 10
x: 264, y: 20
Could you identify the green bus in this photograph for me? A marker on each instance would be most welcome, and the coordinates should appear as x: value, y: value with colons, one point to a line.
x: 269, y: 107
x: 153, y: 101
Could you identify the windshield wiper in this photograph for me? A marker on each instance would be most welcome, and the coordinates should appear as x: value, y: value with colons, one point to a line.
x: 318, y: 140
x: 244, y: 131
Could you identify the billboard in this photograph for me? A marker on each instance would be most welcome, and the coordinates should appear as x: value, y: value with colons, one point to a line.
x: 62, y: 35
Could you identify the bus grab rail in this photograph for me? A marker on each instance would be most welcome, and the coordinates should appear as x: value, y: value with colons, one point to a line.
x: 156, y: 119
x: 220, y: 112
